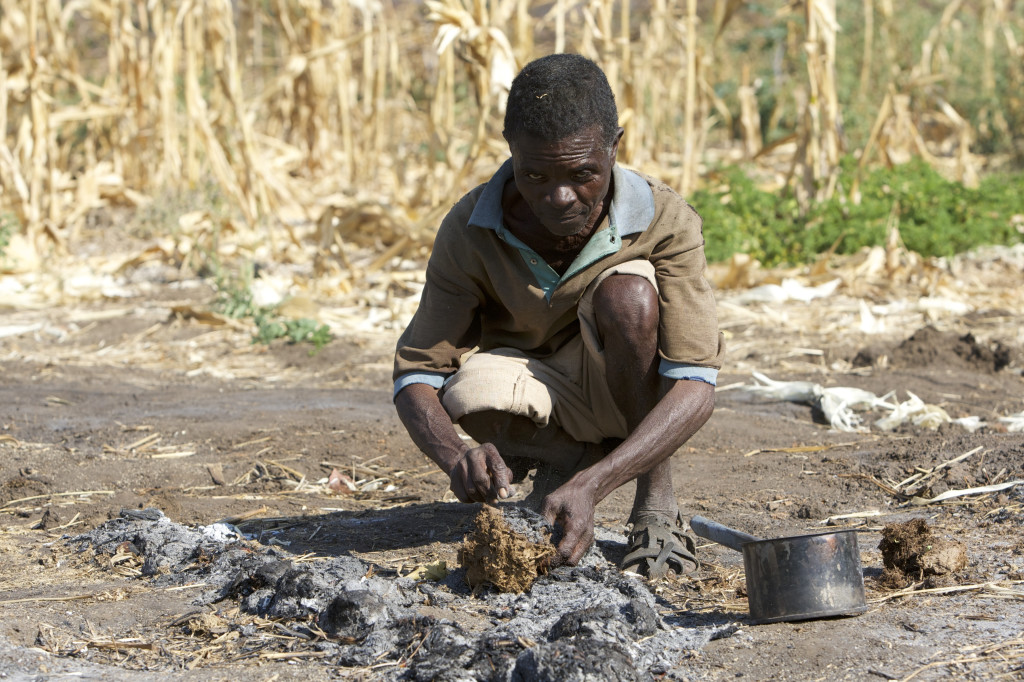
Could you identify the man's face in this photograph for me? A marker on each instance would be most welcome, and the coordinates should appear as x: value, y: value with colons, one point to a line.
x: 563, y: 182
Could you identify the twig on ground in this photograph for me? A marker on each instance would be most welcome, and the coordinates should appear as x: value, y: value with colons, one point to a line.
x: 1006, y: 652
x: 924, y: 474
x: 853, y: 515
x: 997, y: 587
x: 799, y: 448
x: 256, y: 441
x: 887, y: 488
x: 950, y: 494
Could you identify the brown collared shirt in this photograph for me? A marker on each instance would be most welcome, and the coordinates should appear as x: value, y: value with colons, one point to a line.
x: 487, y: 289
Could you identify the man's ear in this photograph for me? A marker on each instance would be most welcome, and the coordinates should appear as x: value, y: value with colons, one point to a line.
x: 615, y: 144
x: 509, y: 141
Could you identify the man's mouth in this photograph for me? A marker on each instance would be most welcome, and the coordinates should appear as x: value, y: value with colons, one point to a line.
x: 565, y: 218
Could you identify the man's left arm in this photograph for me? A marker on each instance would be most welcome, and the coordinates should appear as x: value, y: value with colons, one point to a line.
x: 684, y: 408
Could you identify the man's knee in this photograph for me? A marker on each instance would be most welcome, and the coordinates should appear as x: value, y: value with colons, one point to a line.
x: 627, y: 304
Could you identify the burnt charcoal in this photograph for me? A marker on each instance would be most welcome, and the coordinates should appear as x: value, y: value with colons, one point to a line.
x: 527, y: 522
x: 576, y: 622
x: 296, y: 584
x: 268, y: 573
x: 589, y: 622
x: 634, y: 590
x: 147, y: 514
x: 642, y: 617
x: 256, y: 573
x: 294, y: 594
x: 353, y: 615
x: 446, y: 655
x: 583, y: 660
x: 604, y: 623
x: 164, y: 545
x: 574, y: 574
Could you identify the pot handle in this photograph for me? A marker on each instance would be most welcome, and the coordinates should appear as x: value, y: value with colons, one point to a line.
x: 723, y: 535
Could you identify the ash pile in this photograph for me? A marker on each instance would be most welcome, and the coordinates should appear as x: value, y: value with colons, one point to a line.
x: 590, y: 622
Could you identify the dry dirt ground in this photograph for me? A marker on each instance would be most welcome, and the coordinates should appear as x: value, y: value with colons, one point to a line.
x: 124, y: 405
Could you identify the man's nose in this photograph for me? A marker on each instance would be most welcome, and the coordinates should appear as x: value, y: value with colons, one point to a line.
x: 561, y: 196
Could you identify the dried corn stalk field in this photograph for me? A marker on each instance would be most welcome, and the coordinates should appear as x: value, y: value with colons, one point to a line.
x: 292, y: 131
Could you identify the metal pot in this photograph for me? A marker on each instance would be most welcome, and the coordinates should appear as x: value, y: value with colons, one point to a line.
x: 795, y: 578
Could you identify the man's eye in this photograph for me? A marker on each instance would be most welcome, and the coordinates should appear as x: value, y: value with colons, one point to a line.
x: 583, y: 176
x: 534, y: 176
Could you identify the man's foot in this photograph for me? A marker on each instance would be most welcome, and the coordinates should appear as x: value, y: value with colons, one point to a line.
x: 659, y: 545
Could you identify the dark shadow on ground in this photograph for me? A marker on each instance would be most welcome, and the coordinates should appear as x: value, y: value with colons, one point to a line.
x: 410, y: 526
x: 367, y: 530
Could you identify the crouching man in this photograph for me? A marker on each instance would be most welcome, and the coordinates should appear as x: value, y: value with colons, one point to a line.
x: 566, y: 325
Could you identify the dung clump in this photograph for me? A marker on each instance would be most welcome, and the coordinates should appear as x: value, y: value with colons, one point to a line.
x: 930, y: 347
x: 496, y: 554
x: 910, y: 553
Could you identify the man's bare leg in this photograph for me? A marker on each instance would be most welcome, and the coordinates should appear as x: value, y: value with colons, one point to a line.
x: 626, y: 307
x: 627, y: 313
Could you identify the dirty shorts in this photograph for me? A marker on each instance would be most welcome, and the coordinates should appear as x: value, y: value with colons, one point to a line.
x: 567, y: 389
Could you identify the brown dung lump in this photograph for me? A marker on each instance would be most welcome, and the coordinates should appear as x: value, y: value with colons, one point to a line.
x: 910, y: 552
x: 496, y: 554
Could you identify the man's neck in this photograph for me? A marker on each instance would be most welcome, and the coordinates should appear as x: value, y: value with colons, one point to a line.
x: 558, y: 252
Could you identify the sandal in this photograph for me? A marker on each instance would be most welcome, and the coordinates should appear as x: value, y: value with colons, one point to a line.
x: 656, y: 546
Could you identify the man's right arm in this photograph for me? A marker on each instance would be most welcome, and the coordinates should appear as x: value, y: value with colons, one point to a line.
x: 477, y: 474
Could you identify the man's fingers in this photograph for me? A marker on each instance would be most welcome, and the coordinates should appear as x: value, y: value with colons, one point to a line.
x: 480, y: 478
x: 458, y: 489
x: 573, y: 555
x: 501, y: 476
x: 577, y: 530
x: 575, y: 543
x: 549, y: 511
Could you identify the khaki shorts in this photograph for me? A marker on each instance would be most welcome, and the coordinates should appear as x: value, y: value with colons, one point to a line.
x: 567, y: 389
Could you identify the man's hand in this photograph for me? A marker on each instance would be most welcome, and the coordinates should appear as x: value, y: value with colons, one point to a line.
x: 481, y: 476
x: 571, y: 507
x: 477, y: 474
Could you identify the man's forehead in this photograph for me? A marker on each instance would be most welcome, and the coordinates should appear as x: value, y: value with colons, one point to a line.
x: 589, y: 133
x: 586, y: 144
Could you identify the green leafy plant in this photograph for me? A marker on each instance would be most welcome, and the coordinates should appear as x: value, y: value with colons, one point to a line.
x: 234, y: 291
x: 305, y: 330
x: 269, y: 328
x: 935, y: 216
x: 235, y: 300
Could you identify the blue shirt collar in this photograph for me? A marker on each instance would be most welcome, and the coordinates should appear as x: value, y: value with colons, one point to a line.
x: 632, y: 208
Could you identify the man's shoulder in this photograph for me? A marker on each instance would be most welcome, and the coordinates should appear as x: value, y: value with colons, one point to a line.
x: 466, y: 203
x: 457, y: 221
x: 460, y: 231
x: 668, y: 203
x: 480, y: 205
x: 660, y: 191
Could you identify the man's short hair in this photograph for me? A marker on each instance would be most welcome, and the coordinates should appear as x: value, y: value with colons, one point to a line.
x: 560, y: 95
